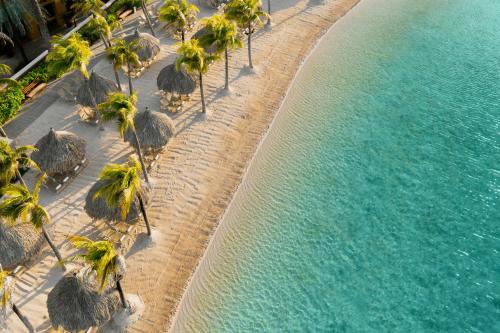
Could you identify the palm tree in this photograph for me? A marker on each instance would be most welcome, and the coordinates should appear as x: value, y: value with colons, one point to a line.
x: 179, y: 14
x: 6, y: 70
x: 124, y: 53
x: 69, y: 54
x: 192, y: 56
x: 105, y: 29
x: 14, y: 17
x: 40, y: 20
x: 122, y: 187
x: 247, y: 13
x: 103, y: 259
x: 122, y: 108
x: 6, y: 287
x: 147, y: 16
x: 269, y: 12
x: 11, y: 159
x: 23, y: 205
x: 224, y: 34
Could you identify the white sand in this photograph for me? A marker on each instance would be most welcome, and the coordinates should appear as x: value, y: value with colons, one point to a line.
x: 196, y: 175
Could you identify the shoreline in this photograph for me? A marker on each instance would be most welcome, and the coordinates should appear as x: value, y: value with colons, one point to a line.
x: 202, y: 263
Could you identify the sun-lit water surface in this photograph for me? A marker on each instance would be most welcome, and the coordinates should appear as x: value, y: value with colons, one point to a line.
x: 373, y: 205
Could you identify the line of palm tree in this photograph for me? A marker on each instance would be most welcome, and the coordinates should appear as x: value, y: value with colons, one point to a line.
x: 248, y: 14
x: 194, y: 59
x: 121, y: 108
x: 105, y: 29
x: 178, y: 14
x: 11, y: 159
x: 6, y: 288
x: 124, y: 54
x: 224, y: 35
x: 21, y: 205
x: 122, y: 187
x: 103, y: 259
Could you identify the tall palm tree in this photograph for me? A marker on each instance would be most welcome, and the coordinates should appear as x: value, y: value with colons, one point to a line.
x: 248, y: 14
x: 122, y: 108
x: 179, y: 14
x: 124, y: 54
x: 69, y: 54
x: 192, y: 56
x: 103, y: 259
x: 105, y: 29
x: 6, y: 288
x: 147, y: 16
x: 224, y: 35
x: 123, y: 186
x: 6, y: 70
x: 22, y: 205
x: 11, y: 159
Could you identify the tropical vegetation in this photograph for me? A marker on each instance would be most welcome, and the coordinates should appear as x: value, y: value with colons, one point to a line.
x: 6, y: 288
x: 178, y: 14
x: 122, y: 54
x: 104, y: 260
x: 12, y: 160
x: 223, y: 34
x: 122, y: 108
x: 22, y: 205
x: 194, y: 59
x: 248, y: 15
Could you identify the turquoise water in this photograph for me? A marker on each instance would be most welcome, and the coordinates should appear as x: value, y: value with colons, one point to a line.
x: 373, y: 205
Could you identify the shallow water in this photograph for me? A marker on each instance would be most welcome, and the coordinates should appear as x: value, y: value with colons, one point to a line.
x: 373, y: 205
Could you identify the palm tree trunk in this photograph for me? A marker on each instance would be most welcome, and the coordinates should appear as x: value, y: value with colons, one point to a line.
x: 23, y: 318
x: 227, y: 69
x: 148, y: 18
x: 117, y: 78
x: 141, y: 159
x: 121, y: 293
x: 203, y: 107
x: 130, y: 88
x: 250, y: 64
x: 42, y: 24
x: 183, y: 35
x: 52, y: 246
x: 21, y: 179
x: 2, y: 132
x: 144, y: 214
x: 104, y: 41
x: 269, y: 12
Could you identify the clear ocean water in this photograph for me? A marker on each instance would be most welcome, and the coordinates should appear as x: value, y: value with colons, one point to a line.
x: 374, y: 203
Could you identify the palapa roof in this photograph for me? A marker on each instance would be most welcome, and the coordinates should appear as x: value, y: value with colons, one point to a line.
x: 212, y: 49
x: 98, y: 208
x: 59, y: 151
x: 149, y: 46
x: 97, y: 86
x: 154, y: 129
x: 76, y: 305
x: 18, y: 244
x: 172, y: 81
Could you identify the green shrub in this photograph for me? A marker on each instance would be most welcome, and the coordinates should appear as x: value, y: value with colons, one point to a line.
x: 89, y: 33
x: 38, y: 73
x: 10, y: 102
x: 123, y: 4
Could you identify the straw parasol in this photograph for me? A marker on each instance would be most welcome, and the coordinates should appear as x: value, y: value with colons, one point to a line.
x: 96, y: 86
x: 172, y: 81
x: 18, y: 244
x: 212, y: 49
x: 98, y: 208
x: 154, y: 129
x: 148, y: 46
x: 76, y: 305
x: 59, y: 152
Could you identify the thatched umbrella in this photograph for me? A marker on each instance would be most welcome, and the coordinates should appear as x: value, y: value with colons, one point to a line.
x: 176, y: 82
x: 154, y: 129
x: 76, y: 305
x: 95, y: 90
x: 18, y: 244
x: 59, y: 152
x: 98, y: 208
x: 149, y: 46
x: 212, y: 49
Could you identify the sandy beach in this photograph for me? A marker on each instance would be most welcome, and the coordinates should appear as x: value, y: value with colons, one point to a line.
x: 197, y: 174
